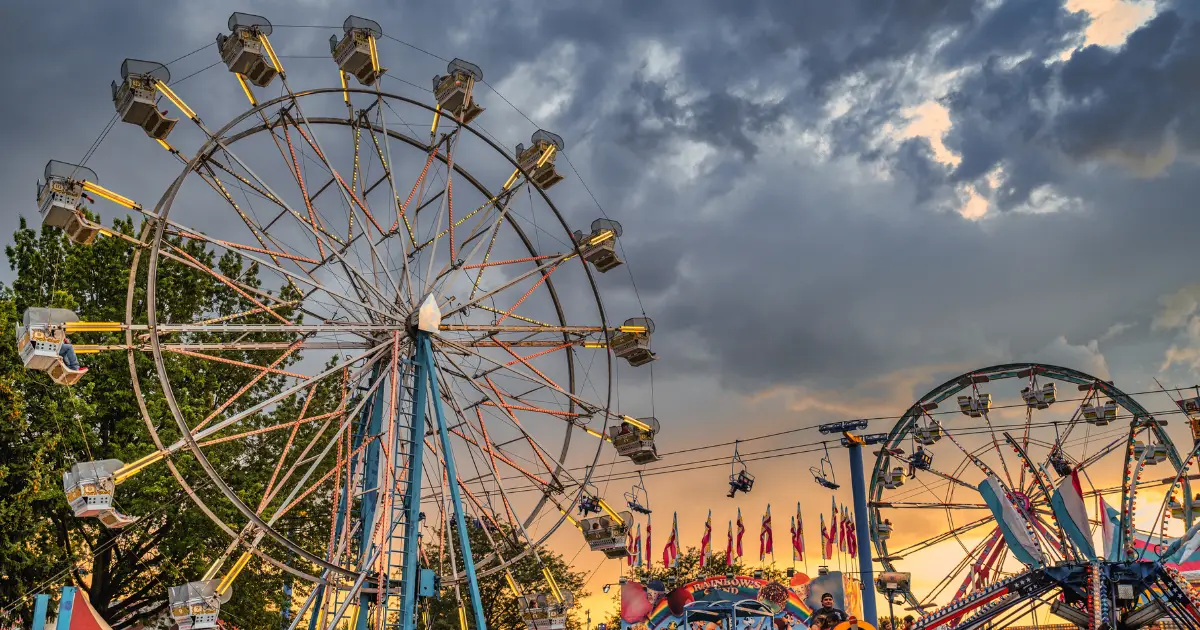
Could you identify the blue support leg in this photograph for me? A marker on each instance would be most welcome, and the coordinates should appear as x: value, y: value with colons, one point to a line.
x: 862, y: 529
x: 412, y: 496
x: 41, y: 602
x: 425, y: 353
x: 64, y: 609
x: 371, y: 495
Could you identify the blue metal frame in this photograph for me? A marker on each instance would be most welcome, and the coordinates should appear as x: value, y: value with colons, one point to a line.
x: 425, y: 369
x: 862, y: 529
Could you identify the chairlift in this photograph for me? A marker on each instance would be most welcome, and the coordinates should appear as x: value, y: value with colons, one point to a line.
x: 824, y: 474
x: 638, y: 498
x: 921, y: 460
x: 589, y: 500
x: 1059, y: 462
x: 739, y: 477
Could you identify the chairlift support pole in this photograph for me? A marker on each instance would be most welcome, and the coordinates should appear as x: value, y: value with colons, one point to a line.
x: 862, y: 527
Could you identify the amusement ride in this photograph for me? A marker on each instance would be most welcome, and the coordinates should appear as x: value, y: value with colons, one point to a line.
x: 438, y: 341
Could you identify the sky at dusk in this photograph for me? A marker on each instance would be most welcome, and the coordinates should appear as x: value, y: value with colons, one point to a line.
x: 829, y: 208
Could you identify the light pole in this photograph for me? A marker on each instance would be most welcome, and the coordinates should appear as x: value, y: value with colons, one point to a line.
x: 891, y: 583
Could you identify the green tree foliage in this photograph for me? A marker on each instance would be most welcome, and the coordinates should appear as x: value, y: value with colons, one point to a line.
x: 499, y: 602
x: 45, y: 428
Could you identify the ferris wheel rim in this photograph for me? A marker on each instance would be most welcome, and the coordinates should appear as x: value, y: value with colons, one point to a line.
x: 904, y: 427
x: 217, y: 140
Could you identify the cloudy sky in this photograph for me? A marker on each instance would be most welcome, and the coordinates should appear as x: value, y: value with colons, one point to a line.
x: 829, y: 207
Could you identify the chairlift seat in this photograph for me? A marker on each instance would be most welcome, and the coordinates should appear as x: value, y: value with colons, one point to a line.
x: 638, y: 507
x: 742, y: 481
x: 195, y: 605
x: 589, y: 505
x: 455, y: 90
x: 243, y: 51
x: 1040, y: 397
x: 355, y: 53
x: 136, y: 97
x: 1060, y: 463
x: 605, y: 534
x: 922, y: 459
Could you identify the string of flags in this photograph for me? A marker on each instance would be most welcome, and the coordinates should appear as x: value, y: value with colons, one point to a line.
x: 838, y: 536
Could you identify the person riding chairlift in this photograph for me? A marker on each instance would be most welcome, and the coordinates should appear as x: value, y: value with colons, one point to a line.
x: 67, y: 353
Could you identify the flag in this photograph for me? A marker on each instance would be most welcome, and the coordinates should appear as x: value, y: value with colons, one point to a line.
x: 637, y: 546
x: 1067, y: 504
x: 629, y: 559
x: 1018, y: 534
x: 852, y: 539
x: 766, y: 544
x: 729, y: 546
x: 649, y: 553
x: 833, y: 528
x: 842, y: 530
x: 826, y: 541
x: 740, y: 531
x: 706, y: 541
x: 792, y: 531
x: 1109, y: 519
x: 671, y: 550
x: 799, y: 542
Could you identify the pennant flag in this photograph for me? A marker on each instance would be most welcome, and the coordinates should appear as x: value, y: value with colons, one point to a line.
x: 741, y: 530
x: 1068, y: 506
x: 1017, y: 533
x: 629, y: 559
x: 792, y: 531
x: 766, y: 543
x: 706, y: 541
x: 842, y: 530
x: 833, y: 527
x: 826, y: 541
x: 671, y: 550
x: 799, y: 542
x: 637, y: 546
x: 852, y: 539
x: 729, y: 546
x: 649, y: 553
x: 1109, y: 520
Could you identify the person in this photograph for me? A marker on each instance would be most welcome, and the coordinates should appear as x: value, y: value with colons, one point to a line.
x: 909, y: 622
x: 67, y: 353
x: 834, y: 616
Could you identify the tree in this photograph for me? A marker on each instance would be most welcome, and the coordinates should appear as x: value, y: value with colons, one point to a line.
x: 688, y: 569
x: 499, y: 602
x: 47, y: 428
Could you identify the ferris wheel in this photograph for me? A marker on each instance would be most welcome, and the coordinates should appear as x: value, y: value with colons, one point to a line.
x: 420, y: 343
x: 974, y: 495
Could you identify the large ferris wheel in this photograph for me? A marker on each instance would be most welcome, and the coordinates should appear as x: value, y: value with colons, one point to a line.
x: 401, y: 284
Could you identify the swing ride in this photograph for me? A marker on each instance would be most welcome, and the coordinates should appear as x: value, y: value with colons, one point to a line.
x: 432, y: 356
x: 1026, y: 550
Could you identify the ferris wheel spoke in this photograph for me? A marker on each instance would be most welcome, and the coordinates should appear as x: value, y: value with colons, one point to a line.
x: 942, y: 537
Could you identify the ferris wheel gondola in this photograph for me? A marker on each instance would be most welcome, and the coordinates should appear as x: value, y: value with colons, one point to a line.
x: 358, y: 307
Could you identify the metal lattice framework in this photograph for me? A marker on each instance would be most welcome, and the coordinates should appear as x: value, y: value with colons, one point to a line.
x: 1046, y: 424
x: 411, y: 357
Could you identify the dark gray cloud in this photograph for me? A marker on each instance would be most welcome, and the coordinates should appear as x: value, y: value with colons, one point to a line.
x: 1041, y: 118
x: 776, y: 231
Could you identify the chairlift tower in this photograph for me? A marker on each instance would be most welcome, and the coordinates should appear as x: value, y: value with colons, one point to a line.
x: 854, y: 443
